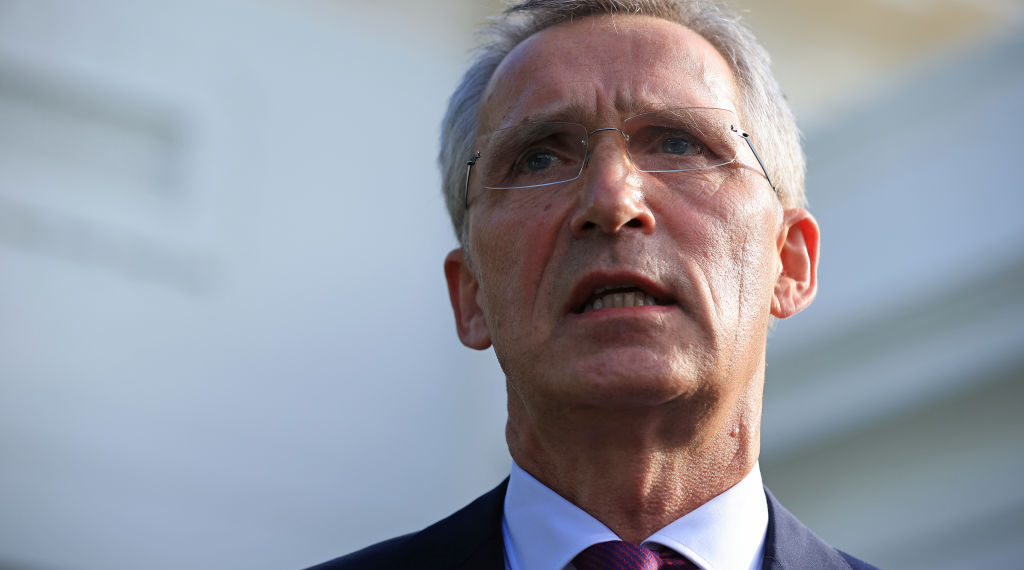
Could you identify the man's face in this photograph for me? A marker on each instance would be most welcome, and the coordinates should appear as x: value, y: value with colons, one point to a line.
x: 706, y: 247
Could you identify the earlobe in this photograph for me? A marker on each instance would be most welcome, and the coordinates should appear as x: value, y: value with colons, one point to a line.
x: 797, y: 245
x: 462, y: 292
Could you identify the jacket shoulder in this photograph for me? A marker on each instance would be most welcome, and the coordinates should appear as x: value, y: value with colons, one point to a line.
x: 380, y: 556
x: 789, y: 545
x: 470, y: 538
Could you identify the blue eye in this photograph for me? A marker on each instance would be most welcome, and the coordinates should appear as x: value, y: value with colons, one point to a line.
x: 538, y: 161
x: 676, y: 145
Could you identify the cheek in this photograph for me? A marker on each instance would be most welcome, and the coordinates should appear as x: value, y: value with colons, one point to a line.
x: 753, y: 260
x: 732, y: 232
x: 511, y: 237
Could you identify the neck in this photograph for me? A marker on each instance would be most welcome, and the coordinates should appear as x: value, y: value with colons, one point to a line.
x: 637, y: 470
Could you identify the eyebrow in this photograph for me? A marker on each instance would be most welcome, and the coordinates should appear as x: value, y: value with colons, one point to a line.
x: 574, y: 112
x: 583, y: 114
x: 627, y: 105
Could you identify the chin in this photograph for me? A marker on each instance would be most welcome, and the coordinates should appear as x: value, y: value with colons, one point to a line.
x: 628, y: 384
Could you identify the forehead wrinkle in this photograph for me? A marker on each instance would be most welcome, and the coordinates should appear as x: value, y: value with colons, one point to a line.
x: 563, y: 102
x: 627, y: 102
x: 575, y: 110
x: 690, y: 82
x: 696, y: 80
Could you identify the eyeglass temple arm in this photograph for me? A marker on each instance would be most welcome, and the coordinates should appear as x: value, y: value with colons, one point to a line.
x: 746, y: 137
x: 469, y: 168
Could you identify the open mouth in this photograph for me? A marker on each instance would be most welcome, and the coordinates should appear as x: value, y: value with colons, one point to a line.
x: 617, y: 297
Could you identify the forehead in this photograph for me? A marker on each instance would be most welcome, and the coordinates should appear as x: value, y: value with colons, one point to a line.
x: 605, y: 67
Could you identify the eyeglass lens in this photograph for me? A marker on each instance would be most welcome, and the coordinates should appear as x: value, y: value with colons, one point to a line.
x: 671, y: 140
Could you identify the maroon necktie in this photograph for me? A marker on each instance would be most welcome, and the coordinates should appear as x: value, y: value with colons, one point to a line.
x: 619, y: 555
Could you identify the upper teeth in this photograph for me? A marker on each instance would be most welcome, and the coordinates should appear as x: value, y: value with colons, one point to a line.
x: 620, y: 299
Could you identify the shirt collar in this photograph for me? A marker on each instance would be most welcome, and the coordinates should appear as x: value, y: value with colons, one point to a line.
x: 544, y: 531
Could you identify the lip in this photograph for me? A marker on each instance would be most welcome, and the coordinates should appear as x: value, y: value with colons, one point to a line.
x: 590, y: 282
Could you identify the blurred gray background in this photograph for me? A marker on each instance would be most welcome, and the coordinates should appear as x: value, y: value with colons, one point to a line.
x: 225, y: 339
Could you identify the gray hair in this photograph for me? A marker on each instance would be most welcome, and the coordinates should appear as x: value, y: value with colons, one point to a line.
x: 764, y: 109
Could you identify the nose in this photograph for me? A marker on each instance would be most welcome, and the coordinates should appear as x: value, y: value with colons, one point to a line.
x: 612, y: 197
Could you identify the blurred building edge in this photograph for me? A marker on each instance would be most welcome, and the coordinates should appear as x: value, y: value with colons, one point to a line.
x: 892, y: 414
x: 97, y: 174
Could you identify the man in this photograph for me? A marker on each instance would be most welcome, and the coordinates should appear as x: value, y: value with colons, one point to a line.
x: 626, y: 182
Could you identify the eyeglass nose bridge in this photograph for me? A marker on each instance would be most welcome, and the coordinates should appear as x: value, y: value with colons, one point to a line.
x: 587, y: 147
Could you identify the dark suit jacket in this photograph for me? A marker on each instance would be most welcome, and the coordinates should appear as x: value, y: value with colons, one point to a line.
x: 471, y: 540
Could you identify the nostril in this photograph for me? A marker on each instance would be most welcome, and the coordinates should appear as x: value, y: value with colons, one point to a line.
x: 634, y: 223
x: 588, y: 225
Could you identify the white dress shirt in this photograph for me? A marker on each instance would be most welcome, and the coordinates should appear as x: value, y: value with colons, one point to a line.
x: 543, y: 531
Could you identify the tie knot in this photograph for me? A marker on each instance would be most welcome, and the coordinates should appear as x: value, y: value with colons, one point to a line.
x: 619, y: 555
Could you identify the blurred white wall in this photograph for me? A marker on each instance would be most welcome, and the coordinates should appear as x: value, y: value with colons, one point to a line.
x: 892, y: 410
x: 224, y: 330
x: 225, y: 333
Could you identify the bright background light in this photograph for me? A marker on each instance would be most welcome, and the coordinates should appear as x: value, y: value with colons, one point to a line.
x: 224, y: 331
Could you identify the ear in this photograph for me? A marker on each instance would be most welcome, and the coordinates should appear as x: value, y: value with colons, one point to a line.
x: 797, y: 282
x: 462, y: 292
